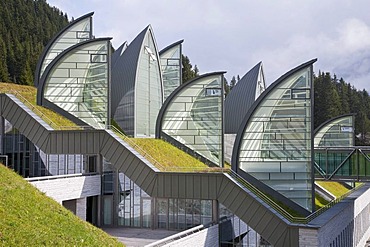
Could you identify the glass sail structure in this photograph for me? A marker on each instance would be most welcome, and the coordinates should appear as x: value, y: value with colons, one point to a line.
x: 171, y: 65
x: 275, y: 145
x: 77, y: 82
x: 192, y: 117
x: 77, y: 31
x: 137, y: 88
x: 336, y: 132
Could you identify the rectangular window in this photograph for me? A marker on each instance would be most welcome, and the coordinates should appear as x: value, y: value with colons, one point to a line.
x: 213, y: 92
x: 173, y: 62
x: 347, y: 129
x: 98, y: 58
x: 82, y: 35
x: 297, y: 93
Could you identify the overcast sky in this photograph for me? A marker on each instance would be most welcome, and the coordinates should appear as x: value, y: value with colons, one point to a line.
x: 234, y: 35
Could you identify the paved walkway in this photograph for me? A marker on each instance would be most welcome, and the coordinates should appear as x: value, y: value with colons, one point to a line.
x: 135, y: 237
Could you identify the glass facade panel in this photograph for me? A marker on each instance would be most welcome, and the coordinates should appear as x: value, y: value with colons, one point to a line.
x: 81, y: 87
x: 336, y: 133
x: 80, y: 31
x: 276, y: 144
x: 30, y: 161
x: 171, y: 69
x: 148, y: 89
x: 194, y: 117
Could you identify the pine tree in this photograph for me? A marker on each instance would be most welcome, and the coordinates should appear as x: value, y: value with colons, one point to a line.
x: 232, y: 83
x: 188, y: 72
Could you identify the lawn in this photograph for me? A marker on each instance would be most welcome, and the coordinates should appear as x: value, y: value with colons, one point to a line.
x: 29, y: 218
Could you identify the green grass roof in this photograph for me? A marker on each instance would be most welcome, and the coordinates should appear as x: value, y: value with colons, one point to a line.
x: 336, y: 188
x: 169, y: 157
x: 27, y: 94
x: 29, y: 218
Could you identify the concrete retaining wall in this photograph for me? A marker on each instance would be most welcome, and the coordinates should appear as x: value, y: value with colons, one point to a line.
x: 62, y: 189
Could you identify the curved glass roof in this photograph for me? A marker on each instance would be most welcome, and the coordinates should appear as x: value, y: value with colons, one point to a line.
x: 77, y: 82
x: 275, y: 144
x: 137, y: 88
x: 336, y: 132
x: 171, y: 67
x: 77, y: 31
x: 192, y: 116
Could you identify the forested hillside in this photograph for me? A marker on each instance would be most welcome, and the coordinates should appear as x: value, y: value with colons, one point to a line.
x: 334, y: 97
x: 26, y: 26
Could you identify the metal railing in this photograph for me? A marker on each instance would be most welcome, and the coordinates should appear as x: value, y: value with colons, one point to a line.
x: 342, y: 163
x: 282, y: 211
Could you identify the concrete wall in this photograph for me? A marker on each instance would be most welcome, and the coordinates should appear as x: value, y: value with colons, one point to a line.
x: 81, y: 208
x: 62, y: 189
x: 308, y: 237
x: 206, y: 237
x: 345, y: 224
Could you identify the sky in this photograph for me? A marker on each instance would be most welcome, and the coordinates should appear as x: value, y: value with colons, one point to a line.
x: 235, y: 35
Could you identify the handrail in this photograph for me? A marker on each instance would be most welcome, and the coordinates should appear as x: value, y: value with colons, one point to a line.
x: 282, y: 211
x: 178, y: 236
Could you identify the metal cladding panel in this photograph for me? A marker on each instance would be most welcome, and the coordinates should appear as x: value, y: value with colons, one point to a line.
x: 250, y: 211
x: 124, y: 70
x: 175, y: 185
x: 245, y: 202
x: 41, y: 139
x: 168, y: 189
x: 234, y: 199
x: 119, y: 159
x: 160, y: 186
x: 189, y: 189
x: 83, y: 143
x: 77, y: 139
x: 213, y: 184
x: 132, y: 167
x: 12, y: 115
x: 105, y: 147
x: 114, y: 145
x: 72, y: 140
x: 227, y: 187
x: 182, y: 186
x: 267, y: 222
x: 197, y: 186
x: 146, y: 173
x: 139, y: 166
x: 153, y: 187
x: 256, y: 218
x: 229, y: 195
x: 126, y: 163
x: 240, y: 99
x: 204, y: 186
x: 276, y: 233
x: 35, y: 128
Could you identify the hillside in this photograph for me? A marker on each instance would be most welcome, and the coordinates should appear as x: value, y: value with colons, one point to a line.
x: 26, y: 26
x: 29, y: 218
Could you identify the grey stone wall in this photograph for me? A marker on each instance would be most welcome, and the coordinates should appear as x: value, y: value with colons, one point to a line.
x: 62, y: 189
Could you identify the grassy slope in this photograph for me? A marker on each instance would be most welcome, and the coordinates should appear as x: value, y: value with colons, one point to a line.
x: 29, y: 218
x: 29, y: 93
x: 333, y: 187
x: 168, y: 156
